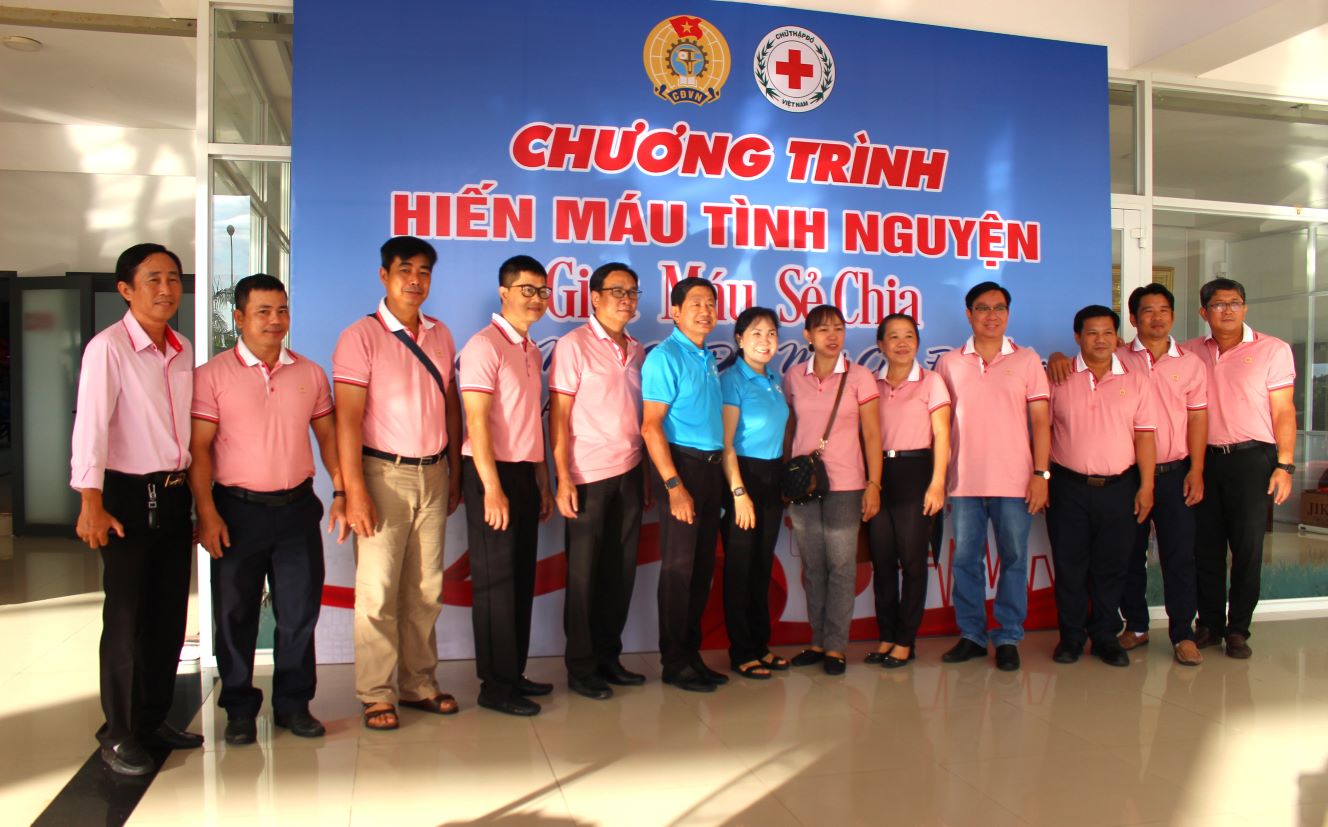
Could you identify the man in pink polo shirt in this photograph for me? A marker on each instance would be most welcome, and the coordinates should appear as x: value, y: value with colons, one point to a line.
x: 595, y: 428
x: 1251, y: 448
x: 506, y: 484
x: 1102, y: 458
x: 130, y: 450
x: 252, y: 478
x: 399, y: 419
x: 1001, y: 440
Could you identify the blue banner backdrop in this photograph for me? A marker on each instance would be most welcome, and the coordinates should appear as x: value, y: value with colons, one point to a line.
x: 795, y: 157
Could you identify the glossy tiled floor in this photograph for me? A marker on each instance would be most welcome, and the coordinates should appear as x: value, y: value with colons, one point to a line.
x: 1229, y: 743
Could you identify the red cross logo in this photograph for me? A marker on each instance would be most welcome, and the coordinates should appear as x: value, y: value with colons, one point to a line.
x: 793, y: 69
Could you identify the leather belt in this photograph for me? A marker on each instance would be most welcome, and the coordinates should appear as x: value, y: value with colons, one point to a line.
x: 397, y: 459
x: 1090, y: 480
x: 269, y: 498
x: 163, y: 479
x: 711, y: 457
x: 1237, y: 446
x: 1167, y: 467
x: 916, y: 452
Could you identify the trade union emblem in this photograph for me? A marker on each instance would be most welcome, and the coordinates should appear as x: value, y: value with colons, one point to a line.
x: 687, y: 60
x: 794, y: 69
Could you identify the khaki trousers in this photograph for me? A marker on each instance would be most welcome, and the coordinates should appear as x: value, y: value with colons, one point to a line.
x: 399, y: 582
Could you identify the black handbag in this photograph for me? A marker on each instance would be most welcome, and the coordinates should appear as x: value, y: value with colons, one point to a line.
x: 805, y: 478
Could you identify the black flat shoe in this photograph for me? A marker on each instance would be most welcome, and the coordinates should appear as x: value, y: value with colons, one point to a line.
x: 510, y: 706
x: 593, y: 687
x: 531, y: 688
x: 717, y: 678
x: 241, y: 731
x: 834, y: 665
x: 127, y: 758
x: 964, y: 650
x: 1007, y: 657
x: 168, y: 735
x: 300, y: 723
x: 1067, y: 652
x: 617, y: 675
x: 690, y: 681
x: 877, y: 657
x: 808, y: 657
x: 890, y: 662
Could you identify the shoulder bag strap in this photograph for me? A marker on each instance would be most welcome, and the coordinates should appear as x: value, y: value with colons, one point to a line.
x: 404, y: 337
x: 825, y: 437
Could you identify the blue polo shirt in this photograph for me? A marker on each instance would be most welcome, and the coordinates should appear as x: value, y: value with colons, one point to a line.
x: 762, y: 410
x: 684, y: 377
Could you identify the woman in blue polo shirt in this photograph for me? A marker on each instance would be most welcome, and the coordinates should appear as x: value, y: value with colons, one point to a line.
x: 755, y: 416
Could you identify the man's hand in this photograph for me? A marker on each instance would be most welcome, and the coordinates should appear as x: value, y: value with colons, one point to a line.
x: 213, y: 534
x: 871, y: 502
x: 1036, y: 494
x: 744, y: 512
x: 1059, y: 367
x: 681, y: 505
x: 496, y: 510
x: 95, y: 525
x: 1194, y: 487
x: 1143, y: 503
x: 567, y: 499
x: 336, y: 519
x: 934, y: 500
x: 546, y: 504
x: 1279, y: 485
x: 360, y: 513
x: 453, y: 489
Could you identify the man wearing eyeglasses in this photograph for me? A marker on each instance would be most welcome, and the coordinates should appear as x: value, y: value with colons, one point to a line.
x: 1251, y: 448
x: 595, y: 427
x: 506, y: 484
x: 998, y: 472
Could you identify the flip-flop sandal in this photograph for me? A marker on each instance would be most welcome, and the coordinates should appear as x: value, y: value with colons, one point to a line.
x: 378, y: 717
x: 775, y: 662
x: 750, y: 671
x: 440, y: 704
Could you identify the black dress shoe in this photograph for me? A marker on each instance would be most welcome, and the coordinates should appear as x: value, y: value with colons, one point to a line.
x: 808, y: 657
x: 964, y: 650
x: 617, y: 675
x: 717, y: 678
x: 834, y: 665
x: 690, y: 680
x: 593, y: 687
x: 1111, y: 653
x: 300, y: 723
x: 127, y: 758
x: 1007, y: 657
x: 510, y: 706
x: 531, y: 688
x: 241, y: 731
x: 169, y: 736
x: 1067, y: 652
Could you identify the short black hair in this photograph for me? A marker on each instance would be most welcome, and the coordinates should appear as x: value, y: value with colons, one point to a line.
x: 1206, y: 292
x: 1154, y: 289
x: 1095, y: 311
x: 406, y: 247
x: 509, y: 271
x: 684, y: 286
x: 127, y: 264
x: 896, y: 317
x: 258, y: 281
x: 985, y: 287
x: 602, y: 272
x: 822, y: 313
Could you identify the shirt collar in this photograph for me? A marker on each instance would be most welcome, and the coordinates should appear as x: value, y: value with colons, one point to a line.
x: 139, y: 338
x: 250, y: 360
x: 748, y: 373
x: 1173, y: 350
x: 1117, y: 368
x: 510, y: 332
x: 684, y: 341
x: 1247, y: 334
x: 914, y: 374
x: 1007, y: 346
x: 601, y: 333
x: 394, y: 324
x: 841, y: 364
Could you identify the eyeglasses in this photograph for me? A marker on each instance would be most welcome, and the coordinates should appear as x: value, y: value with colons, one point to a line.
x: 621, y: 292
x: 530, y: 291
x: 1222, y: 307
x: 990, y: 308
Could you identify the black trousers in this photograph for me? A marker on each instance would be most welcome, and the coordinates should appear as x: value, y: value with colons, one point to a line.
x: 1175, y: 525
x: 146, y: 579
x: 1091, y: 532
x: 502, y: 575
x: 601, y: 569
x: 283, y: 546
x: 1233, y: 514
x: 748, y: 556
x: 687, y: 561
x: 899, y: 535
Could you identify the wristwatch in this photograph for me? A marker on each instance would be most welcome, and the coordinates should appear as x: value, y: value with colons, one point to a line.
x: 672, y: 482
x: 336, y: 494
x: 1046, y: 475
x: 740, y: 491
x: 1287, y: 466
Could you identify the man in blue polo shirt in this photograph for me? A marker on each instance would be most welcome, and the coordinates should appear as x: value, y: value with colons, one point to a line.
x: 684, y: 434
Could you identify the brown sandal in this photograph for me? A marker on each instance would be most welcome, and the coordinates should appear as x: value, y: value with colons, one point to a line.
x: 440, y: 704
x: 379, y: 718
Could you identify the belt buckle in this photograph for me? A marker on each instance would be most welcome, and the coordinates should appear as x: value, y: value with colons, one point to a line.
x: 1096, y: 482
x: 1224, y: 449
x: 891, y: 453
x: 428, y: 460
x: 173, y: 479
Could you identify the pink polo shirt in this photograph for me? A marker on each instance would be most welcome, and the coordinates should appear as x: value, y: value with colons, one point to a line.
x: 1093, y: 421
x: 404, y: 412
x: 1180, y: 385
x: 133, y: 405
x: 262, y: 417
x: 906, y: 410
x: 991, y: 452
x: 605, y: 420
x: 812, y: 400
x: 502, y: 362
x: 1239, y: 382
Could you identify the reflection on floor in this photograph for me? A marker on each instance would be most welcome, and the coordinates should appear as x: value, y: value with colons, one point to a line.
x: 1232, y: 742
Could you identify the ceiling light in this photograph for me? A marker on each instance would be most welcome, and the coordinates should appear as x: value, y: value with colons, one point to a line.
x: 21, y: 44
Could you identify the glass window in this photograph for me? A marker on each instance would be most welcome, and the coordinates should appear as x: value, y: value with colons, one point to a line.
x: 1231, y: 148
x: 1319, y: 370
x: 251, y: 77
x: 1123, y: 124
x: 250, y: 226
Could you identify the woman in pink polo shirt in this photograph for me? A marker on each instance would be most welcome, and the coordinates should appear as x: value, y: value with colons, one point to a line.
x: 915, y: 438
x: 826, y: 529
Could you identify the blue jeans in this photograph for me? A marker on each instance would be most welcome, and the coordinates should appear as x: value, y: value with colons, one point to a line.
x: 1011, y: 520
